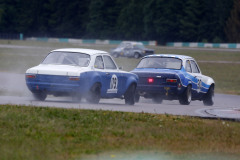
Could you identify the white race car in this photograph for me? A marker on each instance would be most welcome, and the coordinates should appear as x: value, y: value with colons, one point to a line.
x: 87, y: 73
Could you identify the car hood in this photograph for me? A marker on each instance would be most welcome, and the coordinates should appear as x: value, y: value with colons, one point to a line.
x: 61, y: 70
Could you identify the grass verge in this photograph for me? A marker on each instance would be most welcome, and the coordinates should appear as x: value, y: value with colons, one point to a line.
x: 50, y: 133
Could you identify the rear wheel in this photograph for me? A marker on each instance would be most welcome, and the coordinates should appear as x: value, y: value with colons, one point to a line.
x: 186, y: 97
x: 208, y: 99
x: 41, y: 96
x: 129, y: 96
x: 94, y: 94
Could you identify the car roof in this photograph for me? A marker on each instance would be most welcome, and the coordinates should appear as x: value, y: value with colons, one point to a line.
x: 80, y: 50
x: 170, y: 55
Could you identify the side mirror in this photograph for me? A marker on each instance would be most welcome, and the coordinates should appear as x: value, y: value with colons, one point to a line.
x: 121, y: 68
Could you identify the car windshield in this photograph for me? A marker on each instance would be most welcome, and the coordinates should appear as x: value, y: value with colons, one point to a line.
x: 122, y: 45
x: 160, y: 62
x: 67, y: 58
x: 141, y: 46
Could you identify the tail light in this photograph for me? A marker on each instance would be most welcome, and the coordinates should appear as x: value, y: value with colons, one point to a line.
x: 150, y: 80
x: 172, y: 80
x: 31, y: 76
x: 74, y: 78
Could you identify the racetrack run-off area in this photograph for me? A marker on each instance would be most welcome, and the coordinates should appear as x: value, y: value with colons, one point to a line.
x: 19, y: 94
x: 60, y: 128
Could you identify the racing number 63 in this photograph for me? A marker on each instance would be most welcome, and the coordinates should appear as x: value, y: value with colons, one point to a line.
x: 113, y: 84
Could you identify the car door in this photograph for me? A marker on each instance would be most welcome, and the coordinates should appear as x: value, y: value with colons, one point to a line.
x: 128, y: 49
x: 112, y: 78
x: 191, y: 76
x: 198, y: 77
x: 99, y: 67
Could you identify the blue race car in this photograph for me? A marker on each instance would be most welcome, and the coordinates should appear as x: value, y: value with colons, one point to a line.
x: 91, y: 74
x: 173, y: 77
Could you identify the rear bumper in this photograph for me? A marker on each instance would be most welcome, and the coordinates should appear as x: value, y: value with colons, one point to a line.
x: 54, y: 88
x: 56, y: 85
x: 165, y: 91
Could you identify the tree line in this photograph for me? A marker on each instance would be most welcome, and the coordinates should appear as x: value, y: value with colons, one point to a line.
x: 161, y: 20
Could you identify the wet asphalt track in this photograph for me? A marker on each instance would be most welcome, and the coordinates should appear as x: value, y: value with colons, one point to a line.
x: 14, y: 91
x: 225, y: 106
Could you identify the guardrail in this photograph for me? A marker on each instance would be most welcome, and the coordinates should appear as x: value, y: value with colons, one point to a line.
x: 204, y: 45
x: 86, y: 41
x: 116, y: 42
x: 11, y: 36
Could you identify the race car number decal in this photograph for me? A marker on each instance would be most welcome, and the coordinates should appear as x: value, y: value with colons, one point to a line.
x: 113, y: 84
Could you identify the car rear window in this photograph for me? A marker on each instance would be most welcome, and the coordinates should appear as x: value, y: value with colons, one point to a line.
x: 160, y: 62
x: 67, y: 58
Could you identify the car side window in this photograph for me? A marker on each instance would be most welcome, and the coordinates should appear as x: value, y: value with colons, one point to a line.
x: 128, y: 45
x: 108, y: 62
x: 99, y: 63
x: 194, y: 66
x: 188, y: 66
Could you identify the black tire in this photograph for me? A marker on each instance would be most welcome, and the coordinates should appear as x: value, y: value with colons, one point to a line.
x: 136, y: 55
x: 129, y: 96
x: 208, y: 98
x: 94, y: 94
x: 41, y: 96
x: 137, y: 97
x: 157, y: 99
x: 186, y: 97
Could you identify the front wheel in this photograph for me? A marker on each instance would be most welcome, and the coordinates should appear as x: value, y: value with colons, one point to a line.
x: 41, y: 96
x: 129, y: 96
x: 136, y: 55
x: 186, y: 97
x: 208, y: 99
x: 94, y: 94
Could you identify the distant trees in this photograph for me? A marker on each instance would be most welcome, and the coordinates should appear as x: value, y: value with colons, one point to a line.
x: 232, y: 29
x: 161, y: 20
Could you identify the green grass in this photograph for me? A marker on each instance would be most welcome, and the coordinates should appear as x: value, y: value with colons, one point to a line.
x: 50, y: 133
x: 226, y: 76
